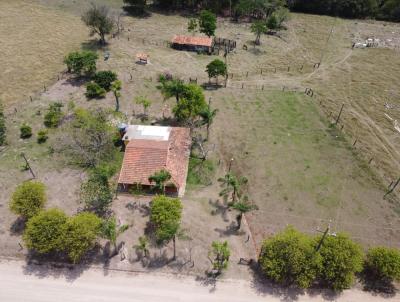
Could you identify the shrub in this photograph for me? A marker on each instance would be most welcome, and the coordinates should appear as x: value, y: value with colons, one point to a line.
x: 42, y: 136
x: 80, y: 234
x: 96, y: 193
x: 28, y: 199
x: 105, y: 78
x: 220, y: 254
x: 25, y: 131
x: 44, y: 232
x: 93, y: 90
x: 341, y: 259
x: 289, y: 258
x: 200, y: 172
x: 383, y: 263
x: 83, y: 62
x: 54, y: 115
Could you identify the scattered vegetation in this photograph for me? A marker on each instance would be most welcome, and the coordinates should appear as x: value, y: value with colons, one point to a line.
x: 42, y: 136
x: 145, y: 102
x: 110, y: 230
x: 81, y: 63
x: 200, y: 172
x: 54, y: 115
x: 25, y: 131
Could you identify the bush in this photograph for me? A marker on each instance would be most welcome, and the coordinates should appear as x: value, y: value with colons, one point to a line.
x: 289, y: 258
x: 28, y: 199
x: 25, y: 131
x: 44, y: 232
x: 80, y: 234
x: 93, y: 90
x: 42, y: 136
x: 105, y: 78
x: 383, y: 263
x: 54, y: 115
x: 83, y: 62
x: 341, y: 259
x: 96, y: 193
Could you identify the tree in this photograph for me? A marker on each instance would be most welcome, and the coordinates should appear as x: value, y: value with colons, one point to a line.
x: 111, y: 231
x: 80, y: 234
x: 96, y: 194
x: 88, y: 138
x: 191, y: 103
x: 116, y: 87
x: 219, y: 255
x: 383, y: 264
x: 44, y: 232
x: 145, y: 102
x: 207, y: 23
x: 290, y: 258
x: 28, y: 199
x: 2, y: 125
x: 81, y: 63
x: 281, y: 15
x: 258, y: 28
x: 160, y: 178
x: 143, y: 246
x: 25, y: 131
x: 341, y: 259
x: 166, y: 216
x: 94, y: 90
x: 172, y: 88
x: 105, y: 78
x: 216, y: 68
x: 243, y: 207
x: 232, y: 185
x: 192, y: 26
x: 99, y: 20
x: 54, y: 115
x: 208, y: 116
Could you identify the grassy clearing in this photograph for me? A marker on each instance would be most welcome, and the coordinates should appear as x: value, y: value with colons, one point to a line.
x: 200, y: 173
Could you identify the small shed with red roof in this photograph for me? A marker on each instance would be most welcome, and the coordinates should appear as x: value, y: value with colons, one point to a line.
x: 150, y: 149
x: 193, y: 43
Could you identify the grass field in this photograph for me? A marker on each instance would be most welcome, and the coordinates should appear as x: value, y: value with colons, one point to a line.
x: 301, y: 170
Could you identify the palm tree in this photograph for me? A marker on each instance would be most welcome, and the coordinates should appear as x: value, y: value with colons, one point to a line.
x: 243, y: 206
x: 143, y: 246
x: 116, y: 89
x: 208, y: 116
x: 160, y: 178
x: 232, y: 185
x: 111, y: 231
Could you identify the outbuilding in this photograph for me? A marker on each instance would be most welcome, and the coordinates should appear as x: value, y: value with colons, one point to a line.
x: 192, y: 43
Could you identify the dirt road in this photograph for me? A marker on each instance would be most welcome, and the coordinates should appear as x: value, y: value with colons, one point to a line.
x: 30, y: 284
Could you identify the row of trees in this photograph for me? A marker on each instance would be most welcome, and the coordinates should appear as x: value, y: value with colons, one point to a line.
x: 294, y: 258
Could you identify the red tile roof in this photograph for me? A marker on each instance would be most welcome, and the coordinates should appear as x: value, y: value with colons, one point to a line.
x: 144, y: 157
x: 190, y: 40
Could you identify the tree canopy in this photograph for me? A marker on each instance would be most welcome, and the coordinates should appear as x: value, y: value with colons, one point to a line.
x: 28, y: 199
x: 383, y: 263
x: 207, y: 23
x: 216, y: 68
x: 191, y: 103
x: 81, y: 62
x: 220, y: 254
x: 99, y: 20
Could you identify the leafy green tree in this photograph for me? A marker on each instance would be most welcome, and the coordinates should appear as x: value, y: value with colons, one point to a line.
x: 258, y: 28
x: 42, y: 136
x: 2, y: 125
x: 44, y: 232
x: 93, y: 90
x: 243, y: 206
x: 99, y: 20
x: 192, y: 26
x: 208, y: 115
x: 172, y: 88
x: 54, y: 115
x: 232, y: 184
x: 111, y: 231
x: 160, y: 178
x: 383, y: 264
x: 25, y: 131
x: 81, y: 63
x: 145, y: 102
x: 28, y: 199
x: 116, y: 87
x: 143, y: 246
x: 105, y: 78
x: 290, y: 258
x: 207, y: 23
x: 219, y: 255
x: 191, y: 103
x: 96, y: 194
x: 80, y: 234
x: 341, y: 259
x: 216, y: 68
x: 166, y: 214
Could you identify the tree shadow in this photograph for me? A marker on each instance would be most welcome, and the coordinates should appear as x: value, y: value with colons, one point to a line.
x: 207, y: 282
x: 211, y: 86
x: 18, y: 226
x: 93, y: 45
x: 220, y: 209
x: 137, y: 13
x: 230, y: 230
x: 377, y: 285
x: 76, y: 81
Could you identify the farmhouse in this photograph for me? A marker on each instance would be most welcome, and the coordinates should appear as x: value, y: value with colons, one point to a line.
x: 150, y: 149
x: 199, y: 44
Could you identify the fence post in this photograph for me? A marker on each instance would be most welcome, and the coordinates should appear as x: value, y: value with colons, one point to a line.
x: 242, y: 85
